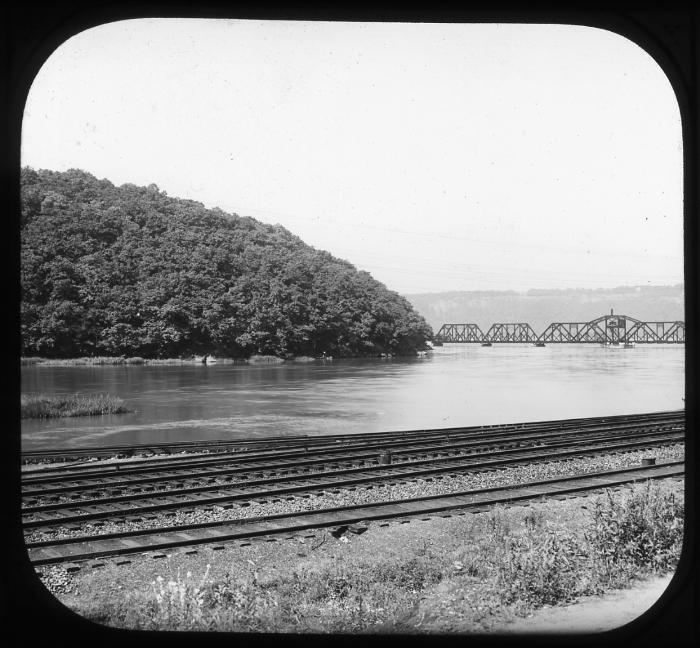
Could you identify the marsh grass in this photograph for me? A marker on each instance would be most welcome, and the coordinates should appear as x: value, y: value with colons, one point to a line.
x: 51, y: 406
x: 514, y: 562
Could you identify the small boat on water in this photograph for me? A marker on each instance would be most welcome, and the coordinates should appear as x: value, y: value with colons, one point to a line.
x: 486, y: 344
x: 538, y: 344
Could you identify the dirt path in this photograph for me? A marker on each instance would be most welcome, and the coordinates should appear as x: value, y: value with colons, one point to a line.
x: 594, y: 614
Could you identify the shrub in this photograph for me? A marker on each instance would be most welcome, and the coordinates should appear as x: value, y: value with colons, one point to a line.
x: 541, y: 569
x: 638, y: 532
x: 644, y: 528
x: 413, y: 575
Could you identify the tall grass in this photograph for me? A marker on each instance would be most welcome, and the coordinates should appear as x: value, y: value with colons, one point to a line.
x: 519, y: 564
x: 50, y: 406
x: 642, y: 529
x: 332, y: 597
x: 639, y: 532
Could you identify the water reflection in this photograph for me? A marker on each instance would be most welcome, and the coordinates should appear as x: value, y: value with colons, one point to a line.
x: 455, y: 385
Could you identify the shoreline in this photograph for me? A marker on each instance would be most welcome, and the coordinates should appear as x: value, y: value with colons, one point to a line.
x: 99, y: 361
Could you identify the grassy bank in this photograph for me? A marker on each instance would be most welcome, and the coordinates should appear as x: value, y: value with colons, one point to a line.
x: 50, y: 406
x: 108, y: 360
x: 461, y: 574
x: 120, y: 360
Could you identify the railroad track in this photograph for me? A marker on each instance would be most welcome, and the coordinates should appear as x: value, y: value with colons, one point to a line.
x: 42, y: 512
x: 82, y: 455
x: 123, y: 480
x: 437, y: 441
x: 89, y: 547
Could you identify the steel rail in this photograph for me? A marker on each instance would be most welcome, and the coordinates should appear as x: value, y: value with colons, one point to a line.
x: 162, y: 501
x: 124, y: 473
x: 411, y: 456
x: 129, y: 542
x: 37, y: 455
x: 315, y: 468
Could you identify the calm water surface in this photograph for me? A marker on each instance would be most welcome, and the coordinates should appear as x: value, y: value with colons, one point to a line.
x: 453, y: 386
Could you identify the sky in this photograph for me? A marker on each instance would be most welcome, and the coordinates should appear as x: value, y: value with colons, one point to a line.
x: 437, y: 157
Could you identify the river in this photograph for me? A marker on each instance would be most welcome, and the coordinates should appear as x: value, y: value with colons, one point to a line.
x: 455, y: 385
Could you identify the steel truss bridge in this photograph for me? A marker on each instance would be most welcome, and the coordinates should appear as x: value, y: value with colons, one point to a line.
x: 609, y: 329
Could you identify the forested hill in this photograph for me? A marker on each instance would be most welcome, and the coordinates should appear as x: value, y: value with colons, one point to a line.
x: 129, y: 271
x: 542, y: 307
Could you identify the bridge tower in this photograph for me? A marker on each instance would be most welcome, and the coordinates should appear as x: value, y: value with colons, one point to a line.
x: 616, y: 328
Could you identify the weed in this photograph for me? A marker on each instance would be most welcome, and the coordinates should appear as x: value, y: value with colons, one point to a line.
x: 640, y: 532
x: 542, y: 570
x: 498, y: 523
x: 519, y: 566
x: 533, y: 520
x: 643, y: 528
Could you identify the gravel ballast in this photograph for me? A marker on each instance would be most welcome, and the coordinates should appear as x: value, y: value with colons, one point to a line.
x: 438, y: 485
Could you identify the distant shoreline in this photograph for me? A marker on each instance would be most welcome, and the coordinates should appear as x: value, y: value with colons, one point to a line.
x: 136, y: 361
x: 196, y: 360
x: 117, y: 360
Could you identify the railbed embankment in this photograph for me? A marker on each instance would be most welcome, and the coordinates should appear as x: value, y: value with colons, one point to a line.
x: 437, y: 485
x: 471, y: 573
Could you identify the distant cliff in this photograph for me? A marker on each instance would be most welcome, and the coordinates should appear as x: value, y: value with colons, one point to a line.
x: 130, y: 271
x: 541, y: 307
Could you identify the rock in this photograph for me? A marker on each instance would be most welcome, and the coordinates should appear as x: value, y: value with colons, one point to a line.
x: 358, y: 529
x: 339, y: 531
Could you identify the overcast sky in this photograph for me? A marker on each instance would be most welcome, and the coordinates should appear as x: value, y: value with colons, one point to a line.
x: 436, y: 157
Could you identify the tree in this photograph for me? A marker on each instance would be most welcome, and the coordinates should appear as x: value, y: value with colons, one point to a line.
x: 128, y: 270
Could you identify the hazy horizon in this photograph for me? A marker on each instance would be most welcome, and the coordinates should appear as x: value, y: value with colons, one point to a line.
x: 543, y: 291
x: 539, y: 308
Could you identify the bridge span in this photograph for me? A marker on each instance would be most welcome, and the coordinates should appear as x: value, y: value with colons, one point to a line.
x: 609, y: 330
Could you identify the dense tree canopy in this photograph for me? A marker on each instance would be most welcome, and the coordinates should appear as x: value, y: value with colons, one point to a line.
x: 130, y: 271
